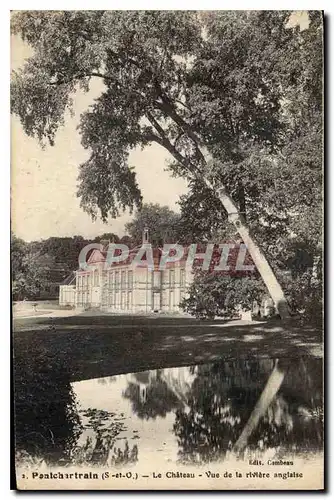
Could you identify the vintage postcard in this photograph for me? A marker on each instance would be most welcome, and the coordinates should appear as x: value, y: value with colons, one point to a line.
x: 167, y: 249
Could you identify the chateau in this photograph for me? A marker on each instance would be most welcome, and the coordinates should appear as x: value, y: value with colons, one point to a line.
x: 124, y: 287
x: 131, y: 286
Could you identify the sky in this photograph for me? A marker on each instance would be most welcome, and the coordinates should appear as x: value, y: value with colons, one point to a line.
x: 44, y: 182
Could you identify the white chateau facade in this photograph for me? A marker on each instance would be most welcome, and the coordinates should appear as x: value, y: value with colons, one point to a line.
x: 125, y: 287
x: 131, y: 287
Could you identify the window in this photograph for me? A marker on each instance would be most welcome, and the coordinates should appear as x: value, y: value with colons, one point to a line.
x: 96, y: 277
x: 171, y: 277
x: 109, y: 299
x: 117, y: 280
x: 130, y: 280
x: 156, y: 278
x: 165, y: 277
x: 123, y: 280
x: 182, y: 277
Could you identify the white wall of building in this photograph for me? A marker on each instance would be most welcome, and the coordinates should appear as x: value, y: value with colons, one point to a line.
x: 67, y: 295
x: 129, y: 289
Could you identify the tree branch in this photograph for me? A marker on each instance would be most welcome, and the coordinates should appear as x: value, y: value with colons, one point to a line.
x: 163, y: 140
x: 183, y: 104
x: 84, y: 75
x: 167, y: 107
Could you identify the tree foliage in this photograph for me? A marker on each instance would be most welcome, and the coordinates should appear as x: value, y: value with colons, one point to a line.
x: 271, y: 159
x: 210, y: 295
x: 162, y: 223
x: 37, y: 265
x: 29, y: 270
x: 185, y: 80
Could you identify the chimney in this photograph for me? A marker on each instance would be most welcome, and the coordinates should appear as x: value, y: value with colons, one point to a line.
x: 145, y: 236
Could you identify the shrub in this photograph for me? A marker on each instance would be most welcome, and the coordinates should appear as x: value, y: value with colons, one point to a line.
x: 210, y: 295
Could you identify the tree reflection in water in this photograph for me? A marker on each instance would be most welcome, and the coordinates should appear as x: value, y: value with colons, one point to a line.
x: 151, y: 396
x: 224, y: 396
x: 235, y: 405
x: 295, y: 418
x: 239, y: 405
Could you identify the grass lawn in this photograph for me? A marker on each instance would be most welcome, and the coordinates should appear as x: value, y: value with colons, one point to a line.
x: 93, y: 345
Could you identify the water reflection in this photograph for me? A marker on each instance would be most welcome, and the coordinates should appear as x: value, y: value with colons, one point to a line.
x: 157, y: 392
x: 252, y: 406
x: 193, y: 414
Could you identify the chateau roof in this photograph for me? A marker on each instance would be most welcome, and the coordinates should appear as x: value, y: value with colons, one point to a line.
x: 98, y: 257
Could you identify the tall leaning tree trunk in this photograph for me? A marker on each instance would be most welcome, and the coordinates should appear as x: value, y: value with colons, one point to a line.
x: 269, y: 392
x: 274, y: 288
